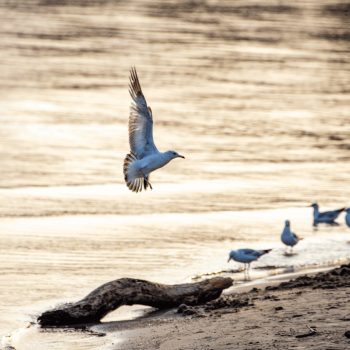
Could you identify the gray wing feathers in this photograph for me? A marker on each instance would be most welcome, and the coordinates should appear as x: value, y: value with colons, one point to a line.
x: 256, y: 253
x: 330, y: 215
x: 140, y: 120
x: 250, y: 252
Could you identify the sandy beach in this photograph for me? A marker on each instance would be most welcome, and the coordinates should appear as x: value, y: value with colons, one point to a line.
x: 309, y: 312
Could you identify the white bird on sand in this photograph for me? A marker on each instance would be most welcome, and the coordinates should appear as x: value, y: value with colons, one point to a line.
x: 347, y: 216
x: 326, y: 217
x: 144, y: 156
x: 246, y: 256
x: 289, y: 238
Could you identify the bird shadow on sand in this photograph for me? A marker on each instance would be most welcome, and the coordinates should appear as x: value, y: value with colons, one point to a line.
x: 232, y: 271
x: 327, y: 224
x: 289, y: 254
x: 266, y: 267
x: 216, y: 273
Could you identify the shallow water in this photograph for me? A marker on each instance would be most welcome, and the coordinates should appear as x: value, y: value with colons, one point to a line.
x: 254, y: 94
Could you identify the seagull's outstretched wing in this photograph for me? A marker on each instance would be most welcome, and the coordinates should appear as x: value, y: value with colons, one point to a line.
x: 140, y: 120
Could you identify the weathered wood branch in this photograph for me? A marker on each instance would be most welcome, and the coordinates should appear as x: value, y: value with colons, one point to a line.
x: 129, y: 291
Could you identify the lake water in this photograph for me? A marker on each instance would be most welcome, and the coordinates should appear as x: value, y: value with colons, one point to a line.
x: 255, y: 94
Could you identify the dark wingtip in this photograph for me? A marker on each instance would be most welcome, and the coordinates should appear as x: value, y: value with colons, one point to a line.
x: 134, y: 85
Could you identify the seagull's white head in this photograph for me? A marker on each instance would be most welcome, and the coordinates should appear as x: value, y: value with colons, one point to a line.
x: 231, y: 255
x: 287, y: 223
x: 172, y: 155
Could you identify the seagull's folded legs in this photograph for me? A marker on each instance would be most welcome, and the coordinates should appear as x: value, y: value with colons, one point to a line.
x: 148, y: 183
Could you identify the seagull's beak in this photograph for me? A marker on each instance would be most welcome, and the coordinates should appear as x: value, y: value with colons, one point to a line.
x: 229, y: 259
x: 180, y: 156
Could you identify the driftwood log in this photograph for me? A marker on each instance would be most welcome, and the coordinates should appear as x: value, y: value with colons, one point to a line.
x: 129, y: 291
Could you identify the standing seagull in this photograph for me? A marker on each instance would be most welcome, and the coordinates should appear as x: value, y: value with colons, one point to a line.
x: 347, y: 216
x: 246, y: 256
x: 289, y: 238
x: 144, y: 156
x: 326, y: 217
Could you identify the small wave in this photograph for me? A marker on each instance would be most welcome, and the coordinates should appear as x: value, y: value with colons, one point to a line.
x: 17, y: 337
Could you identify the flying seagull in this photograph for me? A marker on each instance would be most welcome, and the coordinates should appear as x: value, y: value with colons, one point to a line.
x: 144, y: 156
x: 326, y: 217
x: 289, y: 238
x: 246, y: 256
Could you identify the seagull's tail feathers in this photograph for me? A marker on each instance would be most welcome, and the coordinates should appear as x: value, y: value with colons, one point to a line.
x: 265, y: 251
x: 131, y: 176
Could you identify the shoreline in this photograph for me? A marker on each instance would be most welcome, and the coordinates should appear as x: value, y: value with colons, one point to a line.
x: 310, y: 311
x: 279, y: 308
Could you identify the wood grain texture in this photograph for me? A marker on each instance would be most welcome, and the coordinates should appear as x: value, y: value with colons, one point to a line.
x: 129, y: 291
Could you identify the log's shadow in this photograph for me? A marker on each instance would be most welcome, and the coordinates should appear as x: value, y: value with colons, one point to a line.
x: 153, y: 315
x: 82, y: 328
x: 100, y: 329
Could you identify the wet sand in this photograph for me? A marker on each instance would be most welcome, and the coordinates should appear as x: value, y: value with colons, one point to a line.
x: 309, y: 312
